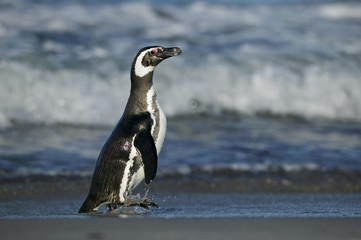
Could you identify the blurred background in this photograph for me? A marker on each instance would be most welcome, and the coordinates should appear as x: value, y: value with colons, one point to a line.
x: 267, y: 92
x: 68, y: 61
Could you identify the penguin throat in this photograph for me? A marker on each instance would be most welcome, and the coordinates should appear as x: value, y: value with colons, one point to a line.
x: 139, y: 69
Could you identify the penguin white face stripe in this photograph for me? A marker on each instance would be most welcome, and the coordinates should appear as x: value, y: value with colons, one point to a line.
x: 141, y: 70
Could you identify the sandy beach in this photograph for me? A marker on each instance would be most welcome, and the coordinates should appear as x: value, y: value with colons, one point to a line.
x: 181, y: 228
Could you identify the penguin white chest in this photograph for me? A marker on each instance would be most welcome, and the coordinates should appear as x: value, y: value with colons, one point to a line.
x: 159, y: 125
x: 133, y: 173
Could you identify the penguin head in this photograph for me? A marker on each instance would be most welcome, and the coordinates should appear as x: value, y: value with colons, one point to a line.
x: 149, y: 57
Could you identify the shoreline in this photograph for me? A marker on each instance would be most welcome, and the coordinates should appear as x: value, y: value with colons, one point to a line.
x: 181, y: 228
x: 42, y: 186
x: 197, y: 205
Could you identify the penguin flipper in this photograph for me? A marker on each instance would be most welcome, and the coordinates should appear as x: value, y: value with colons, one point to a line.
x: 145, y: 144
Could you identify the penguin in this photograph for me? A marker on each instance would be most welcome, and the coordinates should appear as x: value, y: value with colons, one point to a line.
x: 130, y: 155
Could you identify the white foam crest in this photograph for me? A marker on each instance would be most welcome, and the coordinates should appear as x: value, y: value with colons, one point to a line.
x: 265, y: 167
x: 318, y: 91
x: 77, y: 97
x: 25, y: 172
x: 340, y: 11
x: 242, y: 167
x: 67, y: 96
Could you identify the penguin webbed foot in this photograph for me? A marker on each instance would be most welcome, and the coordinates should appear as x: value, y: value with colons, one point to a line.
x: 145, y: 204
x: 148, y: 204
x: 112, y: 206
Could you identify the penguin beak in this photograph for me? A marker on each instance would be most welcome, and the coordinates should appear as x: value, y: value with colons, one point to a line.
x: 169, y: 52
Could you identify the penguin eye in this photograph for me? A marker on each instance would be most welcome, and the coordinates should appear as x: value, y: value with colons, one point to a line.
x: 152, y: 52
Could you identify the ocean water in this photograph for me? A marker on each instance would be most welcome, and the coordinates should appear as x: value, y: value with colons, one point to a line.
x: 263, y: 103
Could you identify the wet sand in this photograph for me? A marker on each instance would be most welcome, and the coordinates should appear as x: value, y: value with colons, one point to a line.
x: 181, y: 228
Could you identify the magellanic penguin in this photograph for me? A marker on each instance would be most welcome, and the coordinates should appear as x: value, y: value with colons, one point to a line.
x: 130, y: 154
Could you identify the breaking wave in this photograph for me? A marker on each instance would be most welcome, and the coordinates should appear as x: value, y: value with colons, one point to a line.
x: 69, y: 63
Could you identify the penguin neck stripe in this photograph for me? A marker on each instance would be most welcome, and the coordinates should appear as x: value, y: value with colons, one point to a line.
x: 139, y: 69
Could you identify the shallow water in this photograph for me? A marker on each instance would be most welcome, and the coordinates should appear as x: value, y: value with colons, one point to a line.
x: 201, y: 205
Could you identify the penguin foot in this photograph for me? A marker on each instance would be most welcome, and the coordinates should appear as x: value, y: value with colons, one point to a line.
x: 112, y: 206
x: 150, y: 204
x: 145, y: 204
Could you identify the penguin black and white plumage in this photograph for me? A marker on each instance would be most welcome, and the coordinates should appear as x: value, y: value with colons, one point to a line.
x: 130, y: 154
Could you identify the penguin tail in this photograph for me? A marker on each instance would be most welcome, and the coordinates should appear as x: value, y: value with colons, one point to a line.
x: 88, y: 206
